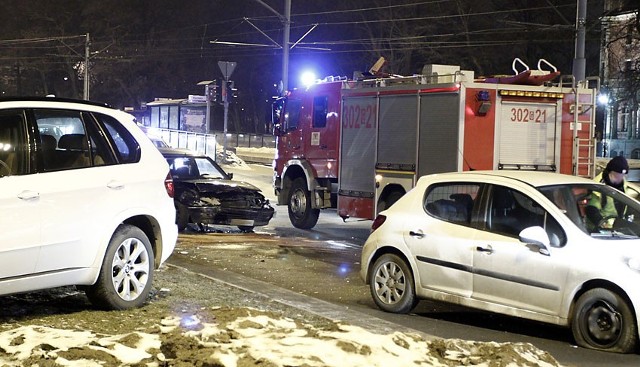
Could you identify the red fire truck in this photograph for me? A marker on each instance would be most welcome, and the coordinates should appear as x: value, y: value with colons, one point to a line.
x: 359, y: 145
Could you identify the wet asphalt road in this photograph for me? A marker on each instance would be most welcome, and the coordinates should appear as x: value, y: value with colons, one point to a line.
x: 323, y: 263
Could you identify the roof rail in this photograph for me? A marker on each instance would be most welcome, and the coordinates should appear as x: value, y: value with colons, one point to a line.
x: 52, y: 99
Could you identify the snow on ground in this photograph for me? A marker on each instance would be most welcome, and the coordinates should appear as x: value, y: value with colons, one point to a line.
x: 253, y: 338
x: 232, y: 160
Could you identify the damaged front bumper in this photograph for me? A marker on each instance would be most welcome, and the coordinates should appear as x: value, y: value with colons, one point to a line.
x: 231, y: 216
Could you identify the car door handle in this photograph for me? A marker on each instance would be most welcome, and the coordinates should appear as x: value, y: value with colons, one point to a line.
x: 28, y: 195
x: 418, y: 234
x: 115, y: 184
x: 487, y: 249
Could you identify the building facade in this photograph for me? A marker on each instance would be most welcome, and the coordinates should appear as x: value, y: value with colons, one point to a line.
x: 620, y: 74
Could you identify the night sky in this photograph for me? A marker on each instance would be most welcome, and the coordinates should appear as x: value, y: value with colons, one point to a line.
x: 141, y: 50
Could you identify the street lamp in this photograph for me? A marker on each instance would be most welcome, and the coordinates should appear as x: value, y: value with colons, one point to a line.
x: 603, y: 99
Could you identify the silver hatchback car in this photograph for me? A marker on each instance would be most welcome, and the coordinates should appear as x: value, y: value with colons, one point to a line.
x: 542, y: 246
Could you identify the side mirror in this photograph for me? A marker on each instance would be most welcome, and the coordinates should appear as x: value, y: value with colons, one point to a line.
x: 230, y: 174
x: 537, y: 237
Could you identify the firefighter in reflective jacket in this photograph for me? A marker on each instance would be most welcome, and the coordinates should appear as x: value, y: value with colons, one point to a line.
x: 599, y: 207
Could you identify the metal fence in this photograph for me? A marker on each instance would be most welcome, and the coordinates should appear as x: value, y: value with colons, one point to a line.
x: 206, y: 143
x: 247, y: 140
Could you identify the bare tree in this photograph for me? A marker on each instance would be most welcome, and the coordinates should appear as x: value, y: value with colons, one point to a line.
x: 622, y: 71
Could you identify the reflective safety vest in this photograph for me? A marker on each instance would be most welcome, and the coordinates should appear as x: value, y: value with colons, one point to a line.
x: 606, y: 207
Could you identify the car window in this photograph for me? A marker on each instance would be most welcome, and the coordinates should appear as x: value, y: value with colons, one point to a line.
x: 70, y: 140
x: 125, y: 145
x: 13, y: 155
x: 510, y: 211
x: 452, y: 202
x: 292, y: 114
x: 207, y: 168
x: 69, y: 148
x: 190, y: 167
x: 320, y: 109
x: 598, y: 210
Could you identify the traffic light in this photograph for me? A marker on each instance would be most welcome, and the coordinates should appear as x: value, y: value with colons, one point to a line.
x: 232, y: 91
x: 213, y: 91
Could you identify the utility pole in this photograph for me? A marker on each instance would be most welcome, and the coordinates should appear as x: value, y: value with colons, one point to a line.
x: 87, y: 46
x: 286, y: 22
x: 285, y: 45
x: 226, y: 67
x: 579, y: 62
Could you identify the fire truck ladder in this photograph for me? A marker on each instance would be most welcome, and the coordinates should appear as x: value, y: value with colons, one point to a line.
x: 584, y: 148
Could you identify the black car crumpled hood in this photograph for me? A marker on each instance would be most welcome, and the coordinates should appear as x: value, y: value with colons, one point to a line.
x: 207, y: 192
x: 222, y: 186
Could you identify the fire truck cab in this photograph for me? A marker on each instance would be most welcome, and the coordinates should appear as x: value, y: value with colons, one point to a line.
x: 307, y: 127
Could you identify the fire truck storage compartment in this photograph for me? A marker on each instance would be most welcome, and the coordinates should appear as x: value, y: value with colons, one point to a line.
x: 528, y: 135
x: 357, y: 155
x: 439, y: 133
x: 397, y: 132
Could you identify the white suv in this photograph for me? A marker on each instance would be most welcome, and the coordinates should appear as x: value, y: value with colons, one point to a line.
x: 85, y: 199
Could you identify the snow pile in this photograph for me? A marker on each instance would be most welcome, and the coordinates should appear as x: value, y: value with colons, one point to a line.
x: 248, y: 337
x: 230, y: 159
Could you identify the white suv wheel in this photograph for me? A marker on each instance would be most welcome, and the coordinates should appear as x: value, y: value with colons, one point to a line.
x: 127, y: 271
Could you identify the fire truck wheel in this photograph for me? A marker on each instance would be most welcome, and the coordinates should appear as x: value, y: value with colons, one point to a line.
x: 301, y: 214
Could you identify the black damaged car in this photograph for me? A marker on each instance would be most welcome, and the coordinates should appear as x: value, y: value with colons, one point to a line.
x: 206, y: 194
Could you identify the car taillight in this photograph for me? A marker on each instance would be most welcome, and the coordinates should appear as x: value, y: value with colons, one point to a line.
x: 168, y: 185
x: 378, y: 222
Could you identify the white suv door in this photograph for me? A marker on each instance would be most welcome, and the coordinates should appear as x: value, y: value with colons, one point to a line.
x: 20, y: 218
x: 80, y: 189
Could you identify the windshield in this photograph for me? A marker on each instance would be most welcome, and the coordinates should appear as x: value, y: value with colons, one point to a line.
x: 598, y: 210
x: 195, y: 167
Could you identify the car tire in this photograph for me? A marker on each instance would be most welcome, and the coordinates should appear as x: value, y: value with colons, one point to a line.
x: 391, y: 284
x: 182, y: 217
x: 126, y: 274
x: 301, y: 214
x: 603, y: 320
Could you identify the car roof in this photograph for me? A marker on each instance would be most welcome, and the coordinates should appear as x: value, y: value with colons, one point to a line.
x: 53, y: 99
x: 533, y: 178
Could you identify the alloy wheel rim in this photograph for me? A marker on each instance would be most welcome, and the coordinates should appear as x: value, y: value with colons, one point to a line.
x: 130, y: 269
x: 390, y: 283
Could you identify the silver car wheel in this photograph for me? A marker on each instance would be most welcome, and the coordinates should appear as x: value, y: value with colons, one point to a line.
x: 130, y: 269
x: 391, y: 284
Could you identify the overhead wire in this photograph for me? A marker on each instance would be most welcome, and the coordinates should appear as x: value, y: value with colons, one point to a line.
x: 179, y: 52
